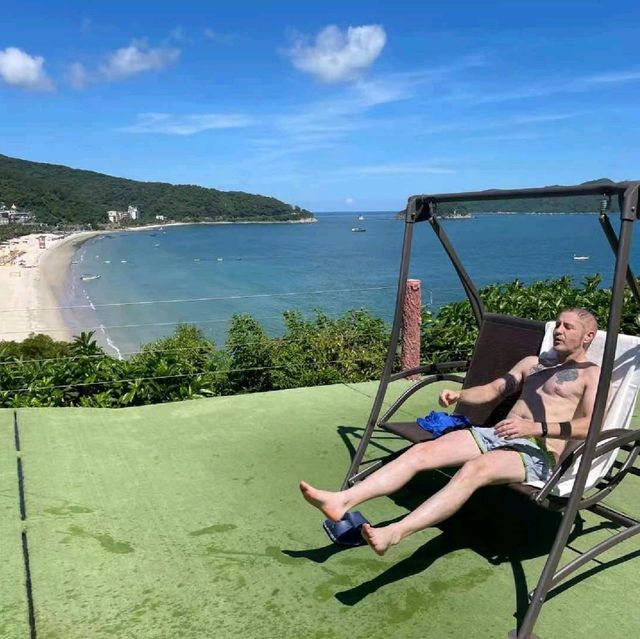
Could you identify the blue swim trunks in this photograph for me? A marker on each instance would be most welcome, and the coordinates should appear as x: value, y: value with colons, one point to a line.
x: 538, y: 461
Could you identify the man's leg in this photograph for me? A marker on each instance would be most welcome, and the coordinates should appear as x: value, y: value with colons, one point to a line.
x: 453, y: 449
x: 494, y: 467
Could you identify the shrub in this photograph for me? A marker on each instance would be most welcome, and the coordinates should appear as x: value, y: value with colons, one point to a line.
x: 249, y: 353
x: 34, y: 347
x: 322, y: 350
x: 312, y: 351
x: 452, y: 333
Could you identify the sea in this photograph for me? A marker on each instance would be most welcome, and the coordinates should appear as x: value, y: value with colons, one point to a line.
x: 151, y: 280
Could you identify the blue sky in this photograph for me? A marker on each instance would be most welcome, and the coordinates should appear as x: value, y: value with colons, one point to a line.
x: 332, y: 105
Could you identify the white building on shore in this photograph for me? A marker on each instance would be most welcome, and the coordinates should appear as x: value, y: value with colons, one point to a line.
x: 14, y: 216
x: 118, y: 217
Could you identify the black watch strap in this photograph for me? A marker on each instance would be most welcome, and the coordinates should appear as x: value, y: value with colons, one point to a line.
x: 545, y: 429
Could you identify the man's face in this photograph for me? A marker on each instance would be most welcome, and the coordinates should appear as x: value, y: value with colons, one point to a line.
x: 570, y: 334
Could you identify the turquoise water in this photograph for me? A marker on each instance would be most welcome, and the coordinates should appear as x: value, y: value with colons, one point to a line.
x: 252, y: 265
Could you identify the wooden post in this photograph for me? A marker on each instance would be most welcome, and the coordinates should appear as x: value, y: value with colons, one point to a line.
x: 411, y: 320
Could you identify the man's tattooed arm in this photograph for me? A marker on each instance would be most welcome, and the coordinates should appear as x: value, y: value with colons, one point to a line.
x: 509, y: 385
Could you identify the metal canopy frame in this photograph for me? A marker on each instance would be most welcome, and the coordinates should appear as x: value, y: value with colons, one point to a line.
x: 423, y: 208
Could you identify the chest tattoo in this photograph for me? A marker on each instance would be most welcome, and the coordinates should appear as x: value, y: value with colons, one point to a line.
x: 536, y: 368
x: 566, y: 375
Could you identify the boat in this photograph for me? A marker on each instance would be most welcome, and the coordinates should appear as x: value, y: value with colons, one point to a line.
x: 86, y: 278
x: 358, y: 229
x: 360, y: 218
x: 580, y: 257
x: 458, y: 214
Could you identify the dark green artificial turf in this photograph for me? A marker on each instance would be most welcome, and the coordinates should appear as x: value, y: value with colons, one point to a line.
x: 184, y: 520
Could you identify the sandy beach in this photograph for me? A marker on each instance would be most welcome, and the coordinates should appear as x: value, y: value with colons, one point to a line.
x: 32, y: 281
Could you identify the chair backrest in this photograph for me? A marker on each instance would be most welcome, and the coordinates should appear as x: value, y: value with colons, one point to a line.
x: 502, y: 342
x: 621, y: 402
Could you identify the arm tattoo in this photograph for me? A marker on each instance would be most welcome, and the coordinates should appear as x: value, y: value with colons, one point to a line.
x: 566, y: 375
x: 510, y: 385
x: 536, y: 368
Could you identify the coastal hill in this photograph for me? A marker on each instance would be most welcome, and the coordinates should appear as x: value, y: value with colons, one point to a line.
x: 577, y: 204
x: 61, y: 195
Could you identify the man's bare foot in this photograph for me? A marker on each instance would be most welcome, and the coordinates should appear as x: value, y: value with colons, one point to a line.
x: 331, y: 504
x: 380, y: 539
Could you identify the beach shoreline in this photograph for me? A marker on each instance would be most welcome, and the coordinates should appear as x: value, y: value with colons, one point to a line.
x: 33, y: 281
x: 161, y: 225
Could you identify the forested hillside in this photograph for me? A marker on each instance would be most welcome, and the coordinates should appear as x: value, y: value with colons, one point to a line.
x: 61, y: 195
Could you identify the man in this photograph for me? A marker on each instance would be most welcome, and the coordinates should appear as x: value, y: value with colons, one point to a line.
x: 555, y: 405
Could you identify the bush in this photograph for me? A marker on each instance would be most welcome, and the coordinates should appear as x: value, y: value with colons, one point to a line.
x: 322, y: 350
x: 34, y: 347
x: 312, y: 351
x: 249, y: 352
x: 452, y: 333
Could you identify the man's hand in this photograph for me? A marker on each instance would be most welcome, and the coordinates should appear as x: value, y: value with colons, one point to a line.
x: 514, y: 427
x: 448, y: 397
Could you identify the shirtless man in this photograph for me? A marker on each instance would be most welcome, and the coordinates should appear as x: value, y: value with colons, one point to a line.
x: 555, y: 405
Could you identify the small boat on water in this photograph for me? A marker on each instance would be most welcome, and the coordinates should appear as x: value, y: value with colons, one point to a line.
x: 358, y: 229
x: 580, y: 257
x: 360, y: 218
x: 87, y: 277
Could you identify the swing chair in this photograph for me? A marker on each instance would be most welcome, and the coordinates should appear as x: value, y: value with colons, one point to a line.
x: 589, y: 470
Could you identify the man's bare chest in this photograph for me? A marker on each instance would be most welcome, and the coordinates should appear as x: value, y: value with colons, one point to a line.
x: 563, y: 383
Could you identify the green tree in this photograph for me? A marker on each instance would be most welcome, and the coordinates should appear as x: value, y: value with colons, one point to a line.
x: 250, y: 356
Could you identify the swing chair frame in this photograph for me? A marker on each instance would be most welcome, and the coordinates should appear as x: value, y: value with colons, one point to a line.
x: 424, y: 208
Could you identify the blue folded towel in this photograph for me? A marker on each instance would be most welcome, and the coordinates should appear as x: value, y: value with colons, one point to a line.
x: 438, y: 423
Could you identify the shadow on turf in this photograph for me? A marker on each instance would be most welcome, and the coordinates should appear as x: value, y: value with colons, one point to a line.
x: 497, y: 523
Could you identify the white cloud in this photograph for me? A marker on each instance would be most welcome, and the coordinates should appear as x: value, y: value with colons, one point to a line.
x: 337, y: 56
x: 137, y: 58
x: 508, y: 122
x: 548, y: 87
x: 505, y: 137
x: 186, y: 124
x: 613, y: 77
x: 78, y: 76
x: 217, y: 36
x: 349, y: 201
x: 334, y: 118
x: 23, y: 70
